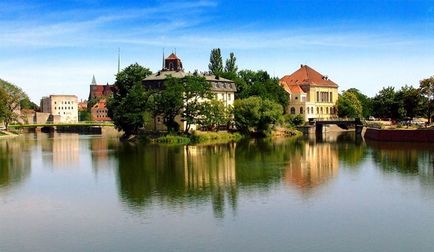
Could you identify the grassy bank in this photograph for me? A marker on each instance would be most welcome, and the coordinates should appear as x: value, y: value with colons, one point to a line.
x: 197, y: 137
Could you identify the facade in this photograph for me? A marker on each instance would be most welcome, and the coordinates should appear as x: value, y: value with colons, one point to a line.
x: 99, y: 112
x: 223, y: 89
x: 98, y: 91
x: 311, y: 94
x: 63, y: 106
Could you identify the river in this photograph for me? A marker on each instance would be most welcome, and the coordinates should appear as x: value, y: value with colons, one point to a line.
x: 70, y: 192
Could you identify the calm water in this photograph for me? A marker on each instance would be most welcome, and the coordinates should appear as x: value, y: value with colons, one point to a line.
x: 90, y: 193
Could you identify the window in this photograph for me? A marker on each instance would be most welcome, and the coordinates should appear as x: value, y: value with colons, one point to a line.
x: 229, y: 97
x: 292, y: 111
x: 327, y: 110
x: 317, y: 96
x: 317, y: 110
x: 301, y: 110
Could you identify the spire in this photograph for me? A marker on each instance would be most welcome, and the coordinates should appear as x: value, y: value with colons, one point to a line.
x: 93, y: 80
x: 119, y: 59
x: 162, y: 66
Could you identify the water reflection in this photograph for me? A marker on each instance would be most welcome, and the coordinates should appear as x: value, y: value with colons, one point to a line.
x: 15, y: 163
x: 405, y: 158
x: 60, y: 150
x: 312, y: 165
x: 181, y: 175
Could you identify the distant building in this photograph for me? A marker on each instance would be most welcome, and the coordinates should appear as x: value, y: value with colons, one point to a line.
x: 97, y: 99
x: 99, y: 91
x: 223, y: 89
x: 99, y: 112
x: 82, y: 105
x: 311, y: 94
x: 65, y: 107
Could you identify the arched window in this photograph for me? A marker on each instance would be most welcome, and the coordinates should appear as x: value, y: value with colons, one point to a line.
x: 327, y: 110
x: 321, y: 110
x: 292, y: 111
x: 317, y: 110
x: 301, y: 110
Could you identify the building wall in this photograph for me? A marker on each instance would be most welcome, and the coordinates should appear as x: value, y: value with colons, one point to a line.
x: 317, y: 102
x: 64, y: 106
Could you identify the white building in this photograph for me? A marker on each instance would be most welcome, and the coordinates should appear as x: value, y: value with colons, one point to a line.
x: 64, y: 107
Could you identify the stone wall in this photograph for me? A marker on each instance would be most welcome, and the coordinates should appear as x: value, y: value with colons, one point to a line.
x: 419, y: 135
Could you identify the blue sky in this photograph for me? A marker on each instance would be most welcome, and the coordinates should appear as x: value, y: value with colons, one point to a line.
x: 55, y: 47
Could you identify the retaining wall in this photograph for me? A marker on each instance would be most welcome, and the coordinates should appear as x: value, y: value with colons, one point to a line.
x: 417, y: 135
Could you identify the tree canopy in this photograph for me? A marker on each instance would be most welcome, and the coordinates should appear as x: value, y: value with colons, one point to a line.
x: 348, y: 105
x: 427, y: 90
x: 127, y: 106
x: 216, y: 62
x: 11, y: 101
x: 255, y: 114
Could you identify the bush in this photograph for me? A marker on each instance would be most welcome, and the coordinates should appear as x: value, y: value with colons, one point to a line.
x: 293, y: 120
x: 172, y: 139
x: 200, y: 137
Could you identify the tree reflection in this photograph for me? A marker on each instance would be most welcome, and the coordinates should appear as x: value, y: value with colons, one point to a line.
x: 177, y: 175
x: 405, y: 158
x: 14, y: 162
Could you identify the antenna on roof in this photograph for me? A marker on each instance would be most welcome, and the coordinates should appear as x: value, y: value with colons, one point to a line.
x: 162, y: 66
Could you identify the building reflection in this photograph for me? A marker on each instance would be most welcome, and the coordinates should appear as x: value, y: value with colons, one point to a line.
x: 101, y: 149
x: 60, y: 150
x: 312, y: 165
x: 15, y: 162
x: 177, y: 175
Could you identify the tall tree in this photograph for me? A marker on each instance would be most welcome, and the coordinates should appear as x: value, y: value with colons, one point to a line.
x: 410, y: 101
x: 216, y: 62
x: 348, y: 105
x: 196, y: 89
x: 386, y: 105
x: 231, y: 64
x: 13, y: 99
x: 259, y: 83
x: 365, y: 101
x: 427, y: 89
x: 127, y: 106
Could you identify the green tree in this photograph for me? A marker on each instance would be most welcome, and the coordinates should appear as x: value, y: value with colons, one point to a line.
x: 410, y: 101
x: 231, y: 65
x: 195, y: 89
x: 365, y: 101
x: 13, y: 99
x: 259, y: 83
x: 216, y: 62
x: 427, y: 89
x: 254, y: 114
x: 213, y: 114
x: 386, y: 105
x: 128, y: 104
x: 348, y: 105
x: 3, y: 104
x: 180, y: 97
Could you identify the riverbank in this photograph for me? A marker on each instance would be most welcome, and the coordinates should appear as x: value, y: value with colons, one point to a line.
x: 6, y: 134
x: 400, y: 135
x: 207, y: 137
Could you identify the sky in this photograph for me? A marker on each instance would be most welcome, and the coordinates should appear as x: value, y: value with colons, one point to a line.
x: 55, y: 47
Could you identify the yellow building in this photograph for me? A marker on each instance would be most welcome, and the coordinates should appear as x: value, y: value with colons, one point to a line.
x: 311, y: 94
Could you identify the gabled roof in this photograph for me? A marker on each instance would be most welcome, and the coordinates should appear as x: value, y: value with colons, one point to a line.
x: 307, y: 76
x: 172, y: 56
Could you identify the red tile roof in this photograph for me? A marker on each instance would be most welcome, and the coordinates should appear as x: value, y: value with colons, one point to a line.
x: 307, y: 76
x: 172, y: 56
